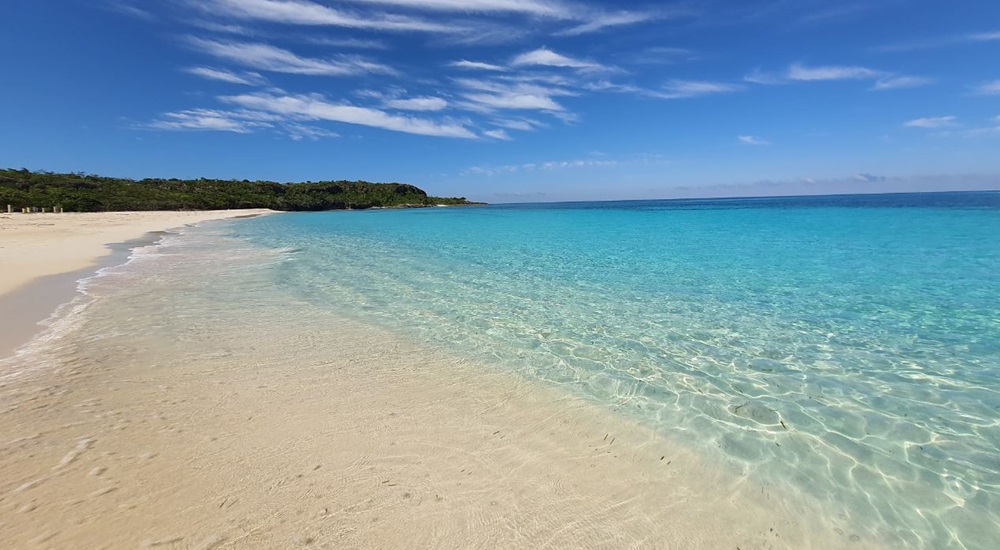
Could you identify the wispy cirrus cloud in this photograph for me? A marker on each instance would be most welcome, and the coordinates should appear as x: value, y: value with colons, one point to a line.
x: 590, y: 19
x: 223, y: 75
x: 992, y: 130
x: 758, y: 76
x: 498, y: 133
x: 674, y: 89
x: 939, y: 42
x: 350, y: 43
x: 898, y: 82
x: 488, y: 95
x: 682, y: 89
x: 476, y: 65
x: 239, y: 122
x: 315, y: 107
x: 221, y: 28
x: 129, y: 8
x: 298, y: 132
x: 800, y: 72
x: 752, y: 140
x: 987, y: 88
x: 548, y: 58
x: 305, y: 12
x: 932, y: 122
x: 560, y: 10
x: 266, y: 57
x: 418, y: 104
x: 985, y: 36
x: 522, y: 124
x: 491, y: 102
x: 604, y: 21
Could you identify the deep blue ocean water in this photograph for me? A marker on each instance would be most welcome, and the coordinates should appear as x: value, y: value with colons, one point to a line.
x: 843, y: 348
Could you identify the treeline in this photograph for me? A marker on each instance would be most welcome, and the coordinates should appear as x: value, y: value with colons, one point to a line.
x: 89, y: 193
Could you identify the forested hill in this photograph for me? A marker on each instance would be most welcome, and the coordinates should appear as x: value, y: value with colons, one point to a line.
x: 89, y: 193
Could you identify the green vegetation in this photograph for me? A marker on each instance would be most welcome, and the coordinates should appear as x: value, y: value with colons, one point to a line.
x: 89, y: 193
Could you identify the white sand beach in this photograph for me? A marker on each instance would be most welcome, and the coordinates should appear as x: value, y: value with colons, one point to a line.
x: 261, y: 433
x: 36, y: 245
x: 42, y: 255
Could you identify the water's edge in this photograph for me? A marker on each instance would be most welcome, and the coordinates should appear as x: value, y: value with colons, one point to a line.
x: 30, y: 309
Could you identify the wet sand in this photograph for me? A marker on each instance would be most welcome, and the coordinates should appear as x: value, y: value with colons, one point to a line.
x: 42, y: 255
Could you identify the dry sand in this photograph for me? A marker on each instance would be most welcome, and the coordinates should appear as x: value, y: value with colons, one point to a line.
x: 362, y: 440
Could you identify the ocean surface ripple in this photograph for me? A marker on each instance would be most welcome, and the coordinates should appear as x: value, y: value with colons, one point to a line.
x: 846, y: 349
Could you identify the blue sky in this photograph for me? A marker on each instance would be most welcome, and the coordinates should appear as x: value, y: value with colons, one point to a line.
x: 511, y: 100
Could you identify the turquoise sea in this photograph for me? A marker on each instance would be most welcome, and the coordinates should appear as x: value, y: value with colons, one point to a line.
x: 846, y: 348
x: 844, y: 351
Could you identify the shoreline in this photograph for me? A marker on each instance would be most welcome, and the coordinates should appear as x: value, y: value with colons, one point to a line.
x: 45, y: 255
x: 171, y: 420
x: 383, y: 444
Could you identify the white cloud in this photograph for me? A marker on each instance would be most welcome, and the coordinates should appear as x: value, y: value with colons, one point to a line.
x: 548, y: 58
x: 989, y: 88
x: 315, y: 107
x: 464, y: 64
x: 523, y: 124
x: 490, y: 95
x: 798, y: 72
x: 531, y: 7
x: 514, y: 101
x: 603, y: 21
x: 248, y: 79
x: 608, y: 86
x: 269, y: 58
x: 497, y: 134
x: 803, y: 73
x: 208, y: 119
x: 752, y: 140
x: 304, y: 12
x: 932, y: 122
x: 680, y: 89
x: 298, y: 132
x: 985, y: 37
x: 897, y: 82
x: 222, y: 28
x: 940, y: 42
x: 418, y: 104
x: 757, y: 76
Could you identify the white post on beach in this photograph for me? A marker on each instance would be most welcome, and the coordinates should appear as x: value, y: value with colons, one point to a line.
x: 10, y: 209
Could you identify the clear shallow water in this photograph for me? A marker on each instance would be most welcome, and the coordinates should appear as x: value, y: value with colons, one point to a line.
x: 846, y: 349
x: 843, y: 351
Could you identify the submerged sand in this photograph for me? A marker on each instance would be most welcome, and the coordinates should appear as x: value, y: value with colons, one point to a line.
x: 41, y: 255
x: 260, y: 433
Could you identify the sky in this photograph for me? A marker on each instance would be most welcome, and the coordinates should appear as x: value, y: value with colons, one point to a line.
x: 511, y: 100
